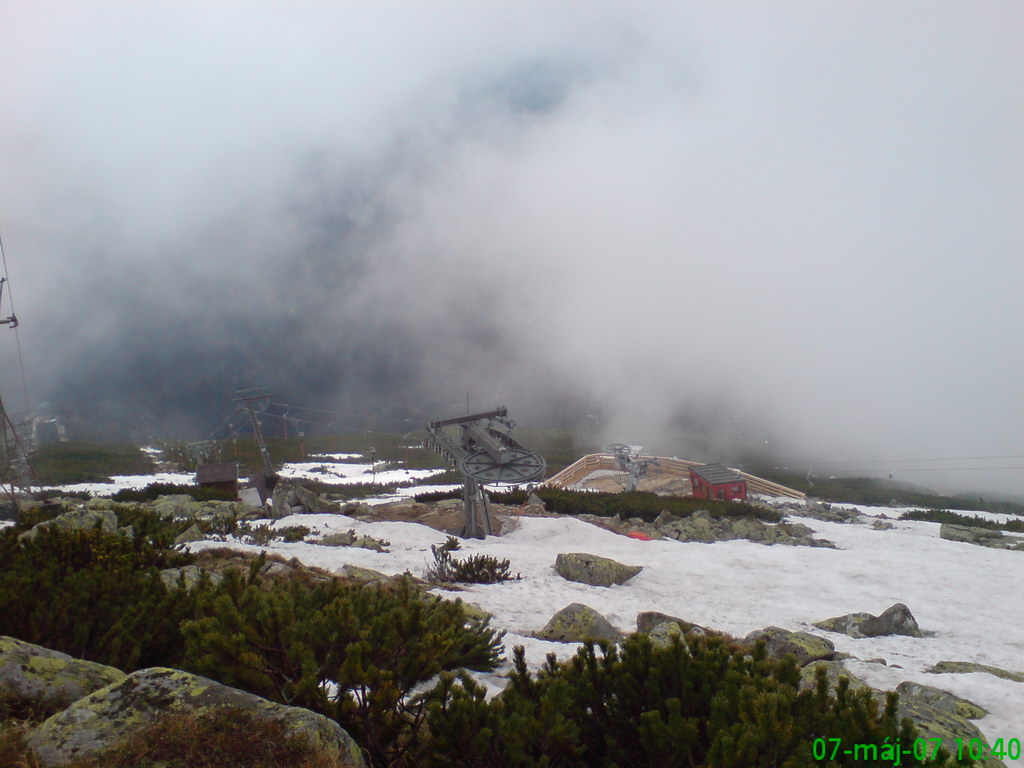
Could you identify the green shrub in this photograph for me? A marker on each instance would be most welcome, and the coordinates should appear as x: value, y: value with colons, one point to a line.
x: 155, y: 490
x: 354, y: 653
x: 642, y: 504
x: 93, y: 595
x: 476, y: 569
x: 697, y: 702
x: 944, y: 516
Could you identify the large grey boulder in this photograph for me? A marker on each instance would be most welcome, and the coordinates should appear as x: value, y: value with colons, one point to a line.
x: 98, y: 722
x: 894, y: 620
x: 38, y: 679
x: 803, y: 645
x: 314, y: 504
x: 594, y: 570
x: 577, y: 623
x: 964, y: 667
x: 177, y: 506
x: 77, y: 520
x: 942, y: 700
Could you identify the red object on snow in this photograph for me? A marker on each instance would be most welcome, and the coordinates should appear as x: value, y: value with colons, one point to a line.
x: 638, y: 535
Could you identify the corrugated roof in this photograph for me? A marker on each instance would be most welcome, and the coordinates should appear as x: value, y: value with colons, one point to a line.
x: 217, y: 473
x: 717, y: 474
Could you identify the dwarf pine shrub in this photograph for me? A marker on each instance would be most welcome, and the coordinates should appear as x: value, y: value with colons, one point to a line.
x: 700, y: 701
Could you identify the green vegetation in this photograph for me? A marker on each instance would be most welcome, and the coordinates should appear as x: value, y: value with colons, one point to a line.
x: 642, y: 504
x: 700, y: 701
x: 93, y: 595
x: 155, y: 490
x: 878, y: 492
x: 66, y: 463
x: 947, y: 517
x: 363, y: 655
x: 475, y: 569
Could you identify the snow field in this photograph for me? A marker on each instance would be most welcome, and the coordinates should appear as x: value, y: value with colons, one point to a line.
x: 966, y: 598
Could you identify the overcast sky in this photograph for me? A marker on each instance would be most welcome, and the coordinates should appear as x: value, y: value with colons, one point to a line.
x: 796, y: 220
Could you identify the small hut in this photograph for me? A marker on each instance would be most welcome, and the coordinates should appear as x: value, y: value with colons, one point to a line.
x: 715, y: 481
x: 223, y: 476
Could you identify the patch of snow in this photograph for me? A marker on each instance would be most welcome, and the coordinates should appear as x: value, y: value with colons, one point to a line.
x: 340, y: 474
x: 5, y: 523
x: 961, y: 594
x: 121, y: 482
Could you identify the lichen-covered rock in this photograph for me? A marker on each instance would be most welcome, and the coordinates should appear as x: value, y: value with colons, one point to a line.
x: 594, y: 570
x: 834, y: 670
x: 663, y: 635
x: 313, y: 504
x: 101, y: 720
x: 188, y: 575
x: 77, y: 520
x: 964, y: 667
x: 192, y: 533
x: 38, y: 679
x: 369, y: 542
x: 577, y: 623
x: 176, y: 506
x: 648, y: 621
x: 894, y: 620
x: 346, y: 539
x: 935, y: 723
x: 943, y: 700
x: 362, y: 575
x: 803, y: 645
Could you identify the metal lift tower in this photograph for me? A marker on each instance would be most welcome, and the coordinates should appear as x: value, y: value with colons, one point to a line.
x: 485, y: 454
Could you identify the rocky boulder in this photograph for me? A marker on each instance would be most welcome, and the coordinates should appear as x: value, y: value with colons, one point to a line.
x: 188, y: 576
x: 965, y: 667
x: 984, y: 537
x: 98, y: 722
x: 77, y: 520
x: 894, y: 620
x: 942, y: 700
x: 937, y: 723
x: 577, y: 623
x: 803, y: 645
x: 648, y: 621
x: 703, y: 527
x: 313, y: 504
x: 594, y: 570
x: 177, y: 506
x: 37, y: 679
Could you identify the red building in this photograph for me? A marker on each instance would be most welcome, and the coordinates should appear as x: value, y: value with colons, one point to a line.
x: 714, y: 481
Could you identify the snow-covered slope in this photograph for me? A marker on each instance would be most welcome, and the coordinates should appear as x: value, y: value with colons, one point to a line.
x: 967, y: 599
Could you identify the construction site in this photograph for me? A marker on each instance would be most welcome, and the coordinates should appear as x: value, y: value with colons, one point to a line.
x: 616, y: 471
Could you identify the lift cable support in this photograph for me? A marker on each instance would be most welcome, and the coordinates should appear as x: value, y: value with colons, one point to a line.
x: 15, y: 470
x: 629, y: 463
x: 485, y: 454
x: 255, y: 402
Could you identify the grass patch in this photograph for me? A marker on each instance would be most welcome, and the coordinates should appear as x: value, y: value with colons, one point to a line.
x: 66, y: 463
